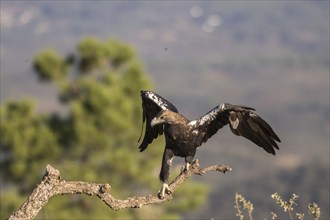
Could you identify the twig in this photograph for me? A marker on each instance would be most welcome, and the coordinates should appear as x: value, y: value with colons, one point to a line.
x: 52, y: 184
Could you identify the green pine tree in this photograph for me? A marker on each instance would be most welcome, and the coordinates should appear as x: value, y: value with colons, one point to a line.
x: 95, y: 141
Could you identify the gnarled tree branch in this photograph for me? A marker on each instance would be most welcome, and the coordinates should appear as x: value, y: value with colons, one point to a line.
x: 52, y: 184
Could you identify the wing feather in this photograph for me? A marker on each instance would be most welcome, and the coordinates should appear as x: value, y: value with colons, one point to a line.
x: 210, y: 123
x: 253, y: 127
x: 242, y: 122
x: 152, y: 104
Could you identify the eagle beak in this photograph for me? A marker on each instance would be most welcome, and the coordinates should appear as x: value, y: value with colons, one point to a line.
x: 155, y: 121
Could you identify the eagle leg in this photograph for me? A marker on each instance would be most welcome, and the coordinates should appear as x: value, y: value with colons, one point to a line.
x: 185, y: 167
x: 165, y: 189
x: 188, y: 160
x: 165, y: 172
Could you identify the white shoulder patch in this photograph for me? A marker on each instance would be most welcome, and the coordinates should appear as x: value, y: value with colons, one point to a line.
x: 223, y: 107
x: 156, y: 99
x: 209, y: 116
x: 192, y: 123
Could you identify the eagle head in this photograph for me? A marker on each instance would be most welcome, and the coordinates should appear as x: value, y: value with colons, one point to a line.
x: 165, y: 117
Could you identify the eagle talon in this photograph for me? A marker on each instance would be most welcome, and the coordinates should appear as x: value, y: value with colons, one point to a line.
x: 185, y: 168
x: 165, y: 189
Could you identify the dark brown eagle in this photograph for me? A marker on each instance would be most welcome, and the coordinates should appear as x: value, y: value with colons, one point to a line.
x: 183, y: 136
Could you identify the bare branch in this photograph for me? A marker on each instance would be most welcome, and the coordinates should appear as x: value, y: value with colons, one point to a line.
x: 52, y: 184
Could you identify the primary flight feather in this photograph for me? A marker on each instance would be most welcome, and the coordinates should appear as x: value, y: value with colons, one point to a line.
x: 183, y: 137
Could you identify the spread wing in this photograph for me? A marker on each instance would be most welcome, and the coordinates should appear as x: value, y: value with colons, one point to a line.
x: 152, y: 103
x: 242, y: 121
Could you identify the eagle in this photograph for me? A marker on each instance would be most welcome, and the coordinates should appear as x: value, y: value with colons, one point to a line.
x: 183, y: 136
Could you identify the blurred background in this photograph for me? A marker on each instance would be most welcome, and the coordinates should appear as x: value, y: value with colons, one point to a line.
x: 71, y: 72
